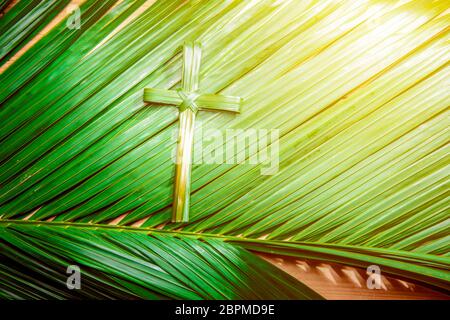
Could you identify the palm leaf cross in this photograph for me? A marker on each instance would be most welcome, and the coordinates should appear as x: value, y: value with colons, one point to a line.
x: 189, y: 102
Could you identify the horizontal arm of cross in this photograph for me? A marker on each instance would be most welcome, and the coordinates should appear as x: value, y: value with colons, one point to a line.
x: 204, y: 101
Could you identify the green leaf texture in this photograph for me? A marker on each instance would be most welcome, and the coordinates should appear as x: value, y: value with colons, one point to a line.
x: 132, y: 264
x: 357, y: 89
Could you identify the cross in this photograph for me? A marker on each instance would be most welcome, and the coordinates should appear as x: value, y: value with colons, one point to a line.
x: 189, y: 101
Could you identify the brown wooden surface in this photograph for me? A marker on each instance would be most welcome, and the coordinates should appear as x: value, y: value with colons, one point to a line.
x: 336, y: 281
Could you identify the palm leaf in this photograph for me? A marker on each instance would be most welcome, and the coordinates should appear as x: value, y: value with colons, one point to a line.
x: 129, y: 264
x: 24, y: 21
x: 357, y: 89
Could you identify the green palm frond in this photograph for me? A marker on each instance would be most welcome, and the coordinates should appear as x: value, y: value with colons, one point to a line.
x: 132, y: 264
x: 24, y: 21
x: 357, y: 89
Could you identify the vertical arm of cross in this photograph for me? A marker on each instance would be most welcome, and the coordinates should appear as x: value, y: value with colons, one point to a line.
x: 189, y: 85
